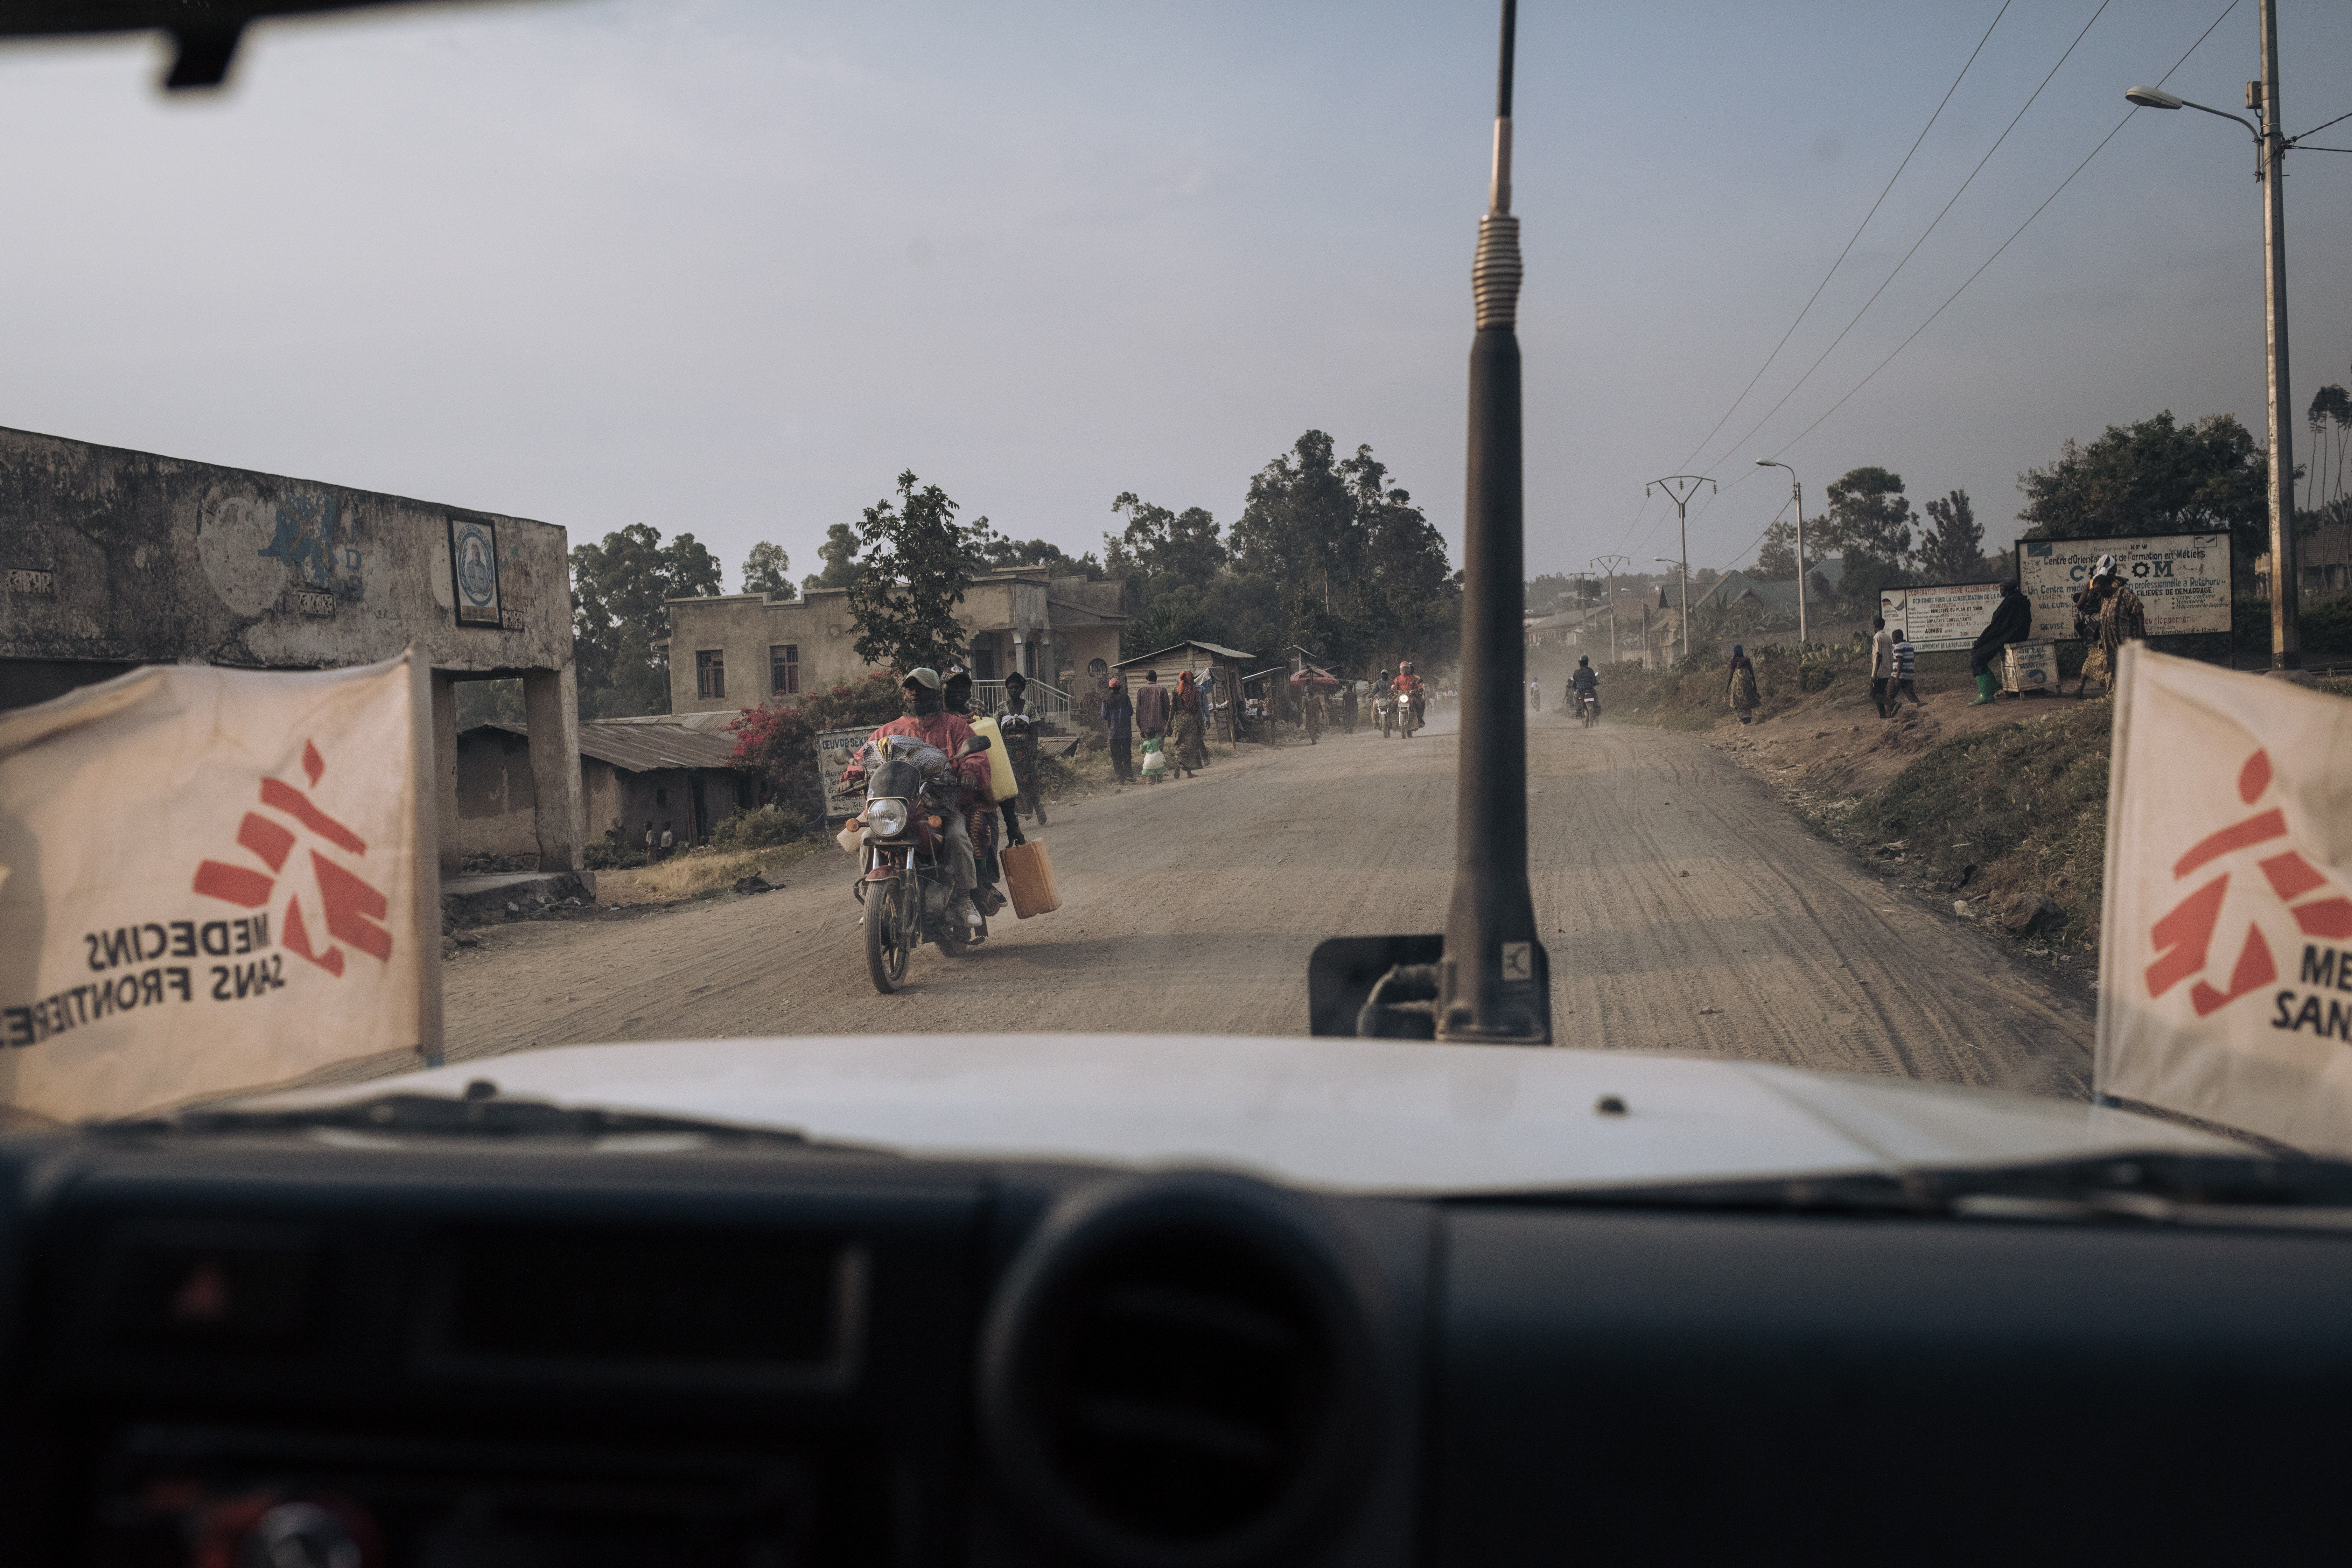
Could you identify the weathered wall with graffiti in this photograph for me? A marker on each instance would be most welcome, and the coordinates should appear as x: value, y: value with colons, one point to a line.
x: 119, y: 557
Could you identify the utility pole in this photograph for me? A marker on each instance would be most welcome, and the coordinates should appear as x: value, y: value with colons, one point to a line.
x: 1797, y: 490
x: 2286, y: 630
x: 1609, y: 564
x: 1682, y: 486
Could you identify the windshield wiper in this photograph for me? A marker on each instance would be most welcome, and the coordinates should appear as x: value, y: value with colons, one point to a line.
x: 483, y: 1113
x: 2245, y: 1190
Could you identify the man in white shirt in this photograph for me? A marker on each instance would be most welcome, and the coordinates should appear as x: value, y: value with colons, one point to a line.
x: 1881, y: 665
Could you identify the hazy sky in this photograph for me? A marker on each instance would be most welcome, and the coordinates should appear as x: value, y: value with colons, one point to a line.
x: 728, y: 267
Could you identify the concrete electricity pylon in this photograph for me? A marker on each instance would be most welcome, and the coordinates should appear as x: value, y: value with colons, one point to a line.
x: 1682, y: 486
x: 1610, y: 565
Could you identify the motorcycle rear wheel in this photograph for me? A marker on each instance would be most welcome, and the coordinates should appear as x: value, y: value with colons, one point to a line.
x: 889, y: 936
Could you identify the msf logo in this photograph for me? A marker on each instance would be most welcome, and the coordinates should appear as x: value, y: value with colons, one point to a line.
x: 349, y: 905
x: 2184, y: 936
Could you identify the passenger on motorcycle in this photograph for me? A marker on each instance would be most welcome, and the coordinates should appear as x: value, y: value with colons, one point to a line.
x: 926, y: 719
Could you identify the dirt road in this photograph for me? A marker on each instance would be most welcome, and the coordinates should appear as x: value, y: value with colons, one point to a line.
x: 1684, y: 908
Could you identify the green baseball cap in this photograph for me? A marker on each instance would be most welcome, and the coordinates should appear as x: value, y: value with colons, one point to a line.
x: 924, y: 676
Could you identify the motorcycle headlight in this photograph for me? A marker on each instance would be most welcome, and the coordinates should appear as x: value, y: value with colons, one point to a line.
x: 886, y: 818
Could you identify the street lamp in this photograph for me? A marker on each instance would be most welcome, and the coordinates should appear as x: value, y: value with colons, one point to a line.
x: 2270, y: 168
x: 1799, y: 490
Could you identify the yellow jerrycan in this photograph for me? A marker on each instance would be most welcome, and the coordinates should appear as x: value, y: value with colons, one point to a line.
x: 1002, y: 785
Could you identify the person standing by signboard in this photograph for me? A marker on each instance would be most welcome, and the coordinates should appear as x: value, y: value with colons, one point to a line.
x: 2012, y: 621
x: 1881, y: 664
x: 1906, y: 674
x: 2121, y: 618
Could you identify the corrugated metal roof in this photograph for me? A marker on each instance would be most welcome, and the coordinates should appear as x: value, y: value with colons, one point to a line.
x: 647, y: 745
x: 1229, y: 655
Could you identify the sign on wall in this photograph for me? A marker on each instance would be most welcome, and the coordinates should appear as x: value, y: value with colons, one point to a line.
x: 474, y: 567
x: 836, y: 750
x: 1942, y: 618
x: 2183, y: 579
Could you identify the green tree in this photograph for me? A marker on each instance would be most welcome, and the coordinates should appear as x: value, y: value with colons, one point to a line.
x: 839, y: 553
x: 768, y: 570
x: 1951, y: 550
x: 1161, y: 551
x: 619, y: 614
x: 2330, y: 406
x: 1870, y: 525
x: 2155, y: 477
x: 912, y: 570
x: 1546, y: 590
x: 1777, y: 561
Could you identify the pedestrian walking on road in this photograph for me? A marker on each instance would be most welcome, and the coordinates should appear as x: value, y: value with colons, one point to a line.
x: 1118, y: 720
x: 1743, y: 683
x: 1348, y: 708
x: 1906, y: 669
x: 1151, y: 707
x: 1317, y: 715
x: 1881, y: 664
x: 2012, y: 621
x: 1191, y: 724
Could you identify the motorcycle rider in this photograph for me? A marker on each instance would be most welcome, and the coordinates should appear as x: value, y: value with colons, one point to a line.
x: 1408, y: 692
x: 1585, y: 681
x: 926, y: 719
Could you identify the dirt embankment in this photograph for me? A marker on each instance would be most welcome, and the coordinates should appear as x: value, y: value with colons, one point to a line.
x: 1996, y: 813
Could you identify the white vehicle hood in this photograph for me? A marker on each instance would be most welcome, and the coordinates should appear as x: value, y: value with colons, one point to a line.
x: 1338, y: 1114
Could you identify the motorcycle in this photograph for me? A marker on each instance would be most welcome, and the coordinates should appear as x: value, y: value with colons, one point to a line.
x: 906, y: 880
x: 1590, y: 703
x: 1384, y: 709
x: 1410, y: 715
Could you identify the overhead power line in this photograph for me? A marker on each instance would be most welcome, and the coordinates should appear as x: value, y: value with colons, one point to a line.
x: 1852, y: 238
x: 1924, y: 233
x: 1787, y: 445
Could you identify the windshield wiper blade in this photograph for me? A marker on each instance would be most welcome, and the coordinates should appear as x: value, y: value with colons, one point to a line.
x: 478, y: 1116
x: 2250, y: 1191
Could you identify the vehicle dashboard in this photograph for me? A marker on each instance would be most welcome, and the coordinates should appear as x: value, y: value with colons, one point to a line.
x: 320, y: 1347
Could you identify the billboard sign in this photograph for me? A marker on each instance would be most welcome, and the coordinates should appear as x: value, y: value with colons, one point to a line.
x: 2183, y: 579
x: 836, y: 750
x: 1946, y: 617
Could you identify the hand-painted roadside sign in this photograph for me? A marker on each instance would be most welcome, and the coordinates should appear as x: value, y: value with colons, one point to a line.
x: 2182, y: 579
x: 1942, y: 617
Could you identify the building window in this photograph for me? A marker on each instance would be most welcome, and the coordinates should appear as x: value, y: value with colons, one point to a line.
x: 784, y: 668
x: 710, y: 673
x: 1097, y: 668
x: 983, y: 663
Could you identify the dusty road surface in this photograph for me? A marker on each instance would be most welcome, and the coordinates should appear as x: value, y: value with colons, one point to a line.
x: 1684, y: 909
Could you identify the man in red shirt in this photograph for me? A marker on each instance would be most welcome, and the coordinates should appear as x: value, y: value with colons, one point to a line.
x: 1408, y: 691
x: 927, y: 721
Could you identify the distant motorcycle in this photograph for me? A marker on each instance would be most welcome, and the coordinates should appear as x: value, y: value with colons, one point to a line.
x: 905, y: 882
x: 1384, y: 709
x: 1590, y: 702
x: 1410, y: 715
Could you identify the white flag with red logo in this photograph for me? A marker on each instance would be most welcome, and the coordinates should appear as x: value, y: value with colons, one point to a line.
x: 2225, y: 969
x: 214, y: 879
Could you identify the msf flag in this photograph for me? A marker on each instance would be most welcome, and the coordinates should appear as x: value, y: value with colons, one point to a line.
x: 213, y: 880
x: 2225, y: 979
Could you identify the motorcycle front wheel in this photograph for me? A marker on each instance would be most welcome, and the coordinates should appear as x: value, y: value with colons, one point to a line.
x: 889, y: 934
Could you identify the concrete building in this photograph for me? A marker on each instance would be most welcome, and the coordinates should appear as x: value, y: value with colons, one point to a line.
x: 664, y: 771
x: 112, y: 559
x: 740, y: 650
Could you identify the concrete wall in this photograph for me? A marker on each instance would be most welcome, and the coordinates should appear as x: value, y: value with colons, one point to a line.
x: 615, y: 798
x: 1007, y: 615
x: 110, y: 558
x: 497, y: 802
